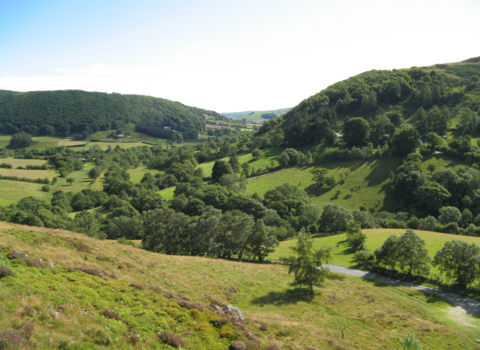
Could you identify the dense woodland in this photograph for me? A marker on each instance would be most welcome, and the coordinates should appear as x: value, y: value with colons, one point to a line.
x: 70, y: 112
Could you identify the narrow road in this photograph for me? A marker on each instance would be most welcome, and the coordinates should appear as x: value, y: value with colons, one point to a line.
x: 471, y: 306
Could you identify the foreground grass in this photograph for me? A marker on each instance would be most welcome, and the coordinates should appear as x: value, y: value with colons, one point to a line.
x: 276, y: 313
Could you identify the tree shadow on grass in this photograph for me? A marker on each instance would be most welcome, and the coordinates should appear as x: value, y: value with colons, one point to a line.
x: 315, y: 190
x: 290, y: 296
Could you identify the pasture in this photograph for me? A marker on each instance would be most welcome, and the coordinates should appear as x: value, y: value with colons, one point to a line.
x: 342, y: 255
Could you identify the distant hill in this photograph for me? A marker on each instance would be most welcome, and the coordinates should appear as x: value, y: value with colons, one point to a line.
x: 256, y: 115
x: 68, y: 112
x: 396, y: 94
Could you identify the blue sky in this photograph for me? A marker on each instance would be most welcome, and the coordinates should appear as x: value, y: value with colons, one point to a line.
x: 225, y: 55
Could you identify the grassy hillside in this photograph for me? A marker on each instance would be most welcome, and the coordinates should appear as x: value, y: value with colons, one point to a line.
x: 249, y: 115
x: 52, y: 308
x: 359, y: 182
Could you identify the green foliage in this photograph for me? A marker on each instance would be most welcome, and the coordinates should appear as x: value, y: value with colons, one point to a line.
x: 20, y: 140
x: 355, y: 237
x: 405, y: 141
x: 307, y: 263
x: 388, y: 254
x: 355, y: 132
x: 73, y: 111
x: 342, y: 324
x: 412, y: 254
x: 221, y: 168
x: 286, y: 198
x: 335, y: 218
x: 459, y: 261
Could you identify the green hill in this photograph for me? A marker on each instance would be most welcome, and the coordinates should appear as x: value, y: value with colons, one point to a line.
x: 69, y: 112
x: 397, y: 94
x: 257, y: 115
x: 102, y: 294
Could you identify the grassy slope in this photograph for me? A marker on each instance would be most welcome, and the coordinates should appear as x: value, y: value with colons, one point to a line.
x: 136, y: 174
x: 268, y: 155
x: 366, y: 181
x: 276, y: 313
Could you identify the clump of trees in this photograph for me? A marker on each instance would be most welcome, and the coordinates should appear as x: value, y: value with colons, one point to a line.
x: 457, y: 260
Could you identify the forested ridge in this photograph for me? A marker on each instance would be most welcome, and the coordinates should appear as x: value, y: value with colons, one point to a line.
x: 68, y: 112
x: 398, y: 95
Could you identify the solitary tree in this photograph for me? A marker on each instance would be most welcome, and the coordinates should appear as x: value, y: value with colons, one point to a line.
x: 459, y: 261
x: 70, y: 180
x: 341, y: 323
x: 307, y: 263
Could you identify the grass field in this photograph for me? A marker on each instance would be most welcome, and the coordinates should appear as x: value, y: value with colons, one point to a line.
x: 12, y: 191
x: 268, y: 155
x: 342, y: 255
x: 22, y: 162
x: 30, y: 174
x: 136, y: 174
x: 167, y: 193
x: 276, y: 313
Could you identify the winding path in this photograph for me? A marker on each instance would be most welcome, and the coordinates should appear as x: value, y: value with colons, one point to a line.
x: 471, y: 306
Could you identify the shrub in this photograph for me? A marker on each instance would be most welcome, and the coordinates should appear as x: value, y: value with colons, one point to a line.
x: 111, y: 314
x: 138, y: 286
x: 28, y: 261
x: 190, y: 305
x: 92, y: 271
x: 9, y: 339
x: 171, y: 295
x: 173, y: 339
x: 238, y: 345
x: 28, y: 330
x: 46, y: 188
x: 253, y: 344
x: 156, y: 289
x: 5, y: 271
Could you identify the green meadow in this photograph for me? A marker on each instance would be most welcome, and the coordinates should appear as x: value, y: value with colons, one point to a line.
x: 342, y: 254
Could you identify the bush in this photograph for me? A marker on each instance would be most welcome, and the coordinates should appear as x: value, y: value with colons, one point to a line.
x: 190, y: 305
x: 28, y: 261
x: 5, y: 271
x: 111, y: 314
x: 238, y: 345
x: 173, y: 339
x: 9, y: 339
x: 92, y: 271
x: 46, y: 188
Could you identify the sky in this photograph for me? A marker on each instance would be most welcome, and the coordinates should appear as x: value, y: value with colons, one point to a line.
x: 226, y: 56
